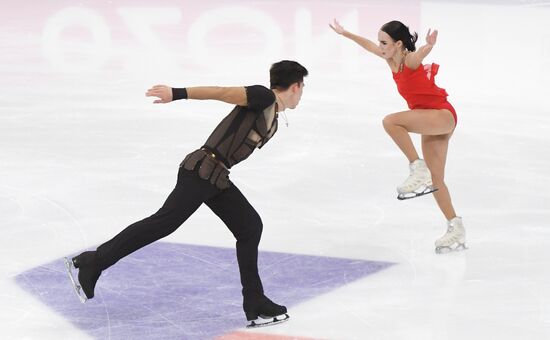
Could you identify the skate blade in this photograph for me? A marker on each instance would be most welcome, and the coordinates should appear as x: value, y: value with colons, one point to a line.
x: 447, y: 250
x: 264, y: 321
x: 76, y: 287
x: 427, y: 190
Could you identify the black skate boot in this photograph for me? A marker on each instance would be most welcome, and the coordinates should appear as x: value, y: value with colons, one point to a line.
x: 261, y: 311
x: 88, y: 274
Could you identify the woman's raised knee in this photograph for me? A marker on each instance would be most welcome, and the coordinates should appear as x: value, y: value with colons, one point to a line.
x: 387, y: 121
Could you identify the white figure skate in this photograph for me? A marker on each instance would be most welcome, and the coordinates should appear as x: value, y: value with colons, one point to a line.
x: 418, y: 183
x: 454, y: 239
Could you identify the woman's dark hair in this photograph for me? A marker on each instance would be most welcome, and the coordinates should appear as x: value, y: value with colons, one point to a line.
x: 398, y: 31
x: 285, y: 73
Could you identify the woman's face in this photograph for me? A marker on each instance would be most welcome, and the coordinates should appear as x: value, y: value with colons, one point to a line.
x: 387, y: 45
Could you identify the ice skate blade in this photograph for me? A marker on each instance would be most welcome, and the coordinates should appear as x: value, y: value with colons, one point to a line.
x: 76, y: 287
x: 446, y: 250
x: 414, y: 194
x: 264, y: 321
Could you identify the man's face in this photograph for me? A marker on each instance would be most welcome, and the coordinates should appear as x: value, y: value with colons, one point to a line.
x: 296, y: 94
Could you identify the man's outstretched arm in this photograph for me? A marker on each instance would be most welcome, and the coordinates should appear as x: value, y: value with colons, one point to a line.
x: 166, y: 94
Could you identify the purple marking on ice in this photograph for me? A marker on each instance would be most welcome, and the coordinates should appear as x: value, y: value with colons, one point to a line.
x: 181, y: 291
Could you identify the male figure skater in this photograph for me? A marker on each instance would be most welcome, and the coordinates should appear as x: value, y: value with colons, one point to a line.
x: 203, y: 177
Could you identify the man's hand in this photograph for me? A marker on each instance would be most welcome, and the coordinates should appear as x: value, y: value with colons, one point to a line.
x: 161, y: 91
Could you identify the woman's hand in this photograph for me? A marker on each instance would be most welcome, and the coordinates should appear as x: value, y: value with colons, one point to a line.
x: 336, y: 27
x: 431, y: 37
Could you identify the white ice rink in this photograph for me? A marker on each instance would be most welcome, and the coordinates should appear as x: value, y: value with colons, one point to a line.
x: 83, y: 153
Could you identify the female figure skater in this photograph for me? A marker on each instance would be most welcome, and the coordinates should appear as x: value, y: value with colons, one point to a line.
x: 430, y: 115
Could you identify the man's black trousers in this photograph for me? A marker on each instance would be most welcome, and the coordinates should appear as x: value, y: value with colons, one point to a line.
x: 190, y: 192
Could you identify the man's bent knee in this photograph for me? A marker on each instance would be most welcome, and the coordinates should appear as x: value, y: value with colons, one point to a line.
x: 251, y: 230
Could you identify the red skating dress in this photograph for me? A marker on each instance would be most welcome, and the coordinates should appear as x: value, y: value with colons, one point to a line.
x: 419, y: 89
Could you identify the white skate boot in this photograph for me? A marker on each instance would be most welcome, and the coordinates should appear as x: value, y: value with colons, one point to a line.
x: 454, y: 238
x: 418, y: 183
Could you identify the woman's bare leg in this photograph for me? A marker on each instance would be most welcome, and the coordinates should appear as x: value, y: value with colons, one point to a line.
x: 425, y: 122
x: 434, y: 149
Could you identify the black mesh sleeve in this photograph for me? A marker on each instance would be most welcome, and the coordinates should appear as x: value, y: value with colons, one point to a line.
x: 259, y: 97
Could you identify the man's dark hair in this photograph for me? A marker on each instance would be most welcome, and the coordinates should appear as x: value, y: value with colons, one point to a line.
x: 285, y: 73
